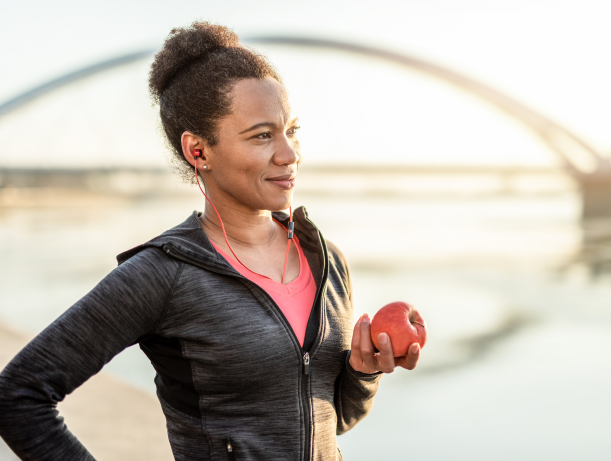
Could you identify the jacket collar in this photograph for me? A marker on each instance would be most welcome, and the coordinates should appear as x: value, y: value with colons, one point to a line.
x: 189, y: 242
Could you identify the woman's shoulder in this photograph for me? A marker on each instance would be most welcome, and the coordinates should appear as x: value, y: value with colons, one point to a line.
x: 149, y: 265
x: 187, y: 233
x: 337, y: 259
x: 145, y: 256
x: 336, y: 254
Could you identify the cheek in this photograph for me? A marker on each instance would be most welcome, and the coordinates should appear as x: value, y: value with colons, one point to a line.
x: 297, y: 148
x: 252, y: 165
x: 242, y: 167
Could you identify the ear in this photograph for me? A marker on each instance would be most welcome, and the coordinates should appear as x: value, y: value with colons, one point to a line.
x: 190, y: 142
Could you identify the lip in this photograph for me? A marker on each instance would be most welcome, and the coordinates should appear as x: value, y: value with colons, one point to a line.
x: 285, y: 181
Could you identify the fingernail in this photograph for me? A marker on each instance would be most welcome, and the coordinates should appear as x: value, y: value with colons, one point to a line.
x: 383, y: 339
x: 366, y: 318
x: 415, y: 348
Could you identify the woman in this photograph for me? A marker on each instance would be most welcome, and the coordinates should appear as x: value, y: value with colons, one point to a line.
x: 250, y: 332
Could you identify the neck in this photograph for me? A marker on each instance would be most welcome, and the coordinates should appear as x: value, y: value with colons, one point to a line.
x: 243, y: 226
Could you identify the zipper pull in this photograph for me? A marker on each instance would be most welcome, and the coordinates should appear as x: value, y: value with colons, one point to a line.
x: 230, y: 453
x: 306, y: 363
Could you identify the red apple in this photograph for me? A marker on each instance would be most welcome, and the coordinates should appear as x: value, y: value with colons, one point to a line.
x: 402, y: 323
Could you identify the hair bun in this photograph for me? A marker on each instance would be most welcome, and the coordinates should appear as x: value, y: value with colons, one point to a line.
x: 191, y: 79
x: 185, y: 45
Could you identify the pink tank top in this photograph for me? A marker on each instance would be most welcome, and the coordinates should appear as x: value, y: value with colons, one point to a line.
x: 295, y: 299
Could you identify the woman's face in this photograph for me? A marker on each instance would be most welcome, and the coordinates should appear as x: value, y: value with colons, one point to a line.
x: 256, y: 157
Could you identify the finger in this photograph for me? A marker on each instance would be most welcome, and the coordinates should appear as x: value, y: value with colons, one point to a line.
x: 356, y: 334
x: 411, y: 359
x: 366, y: 345
x: 355, y: 345
x: 386, y: 359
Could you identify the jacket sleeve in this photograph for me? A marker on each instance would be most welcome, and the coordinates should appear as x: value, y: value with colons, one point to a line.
x: 124, y: 306
x: 354, y: 391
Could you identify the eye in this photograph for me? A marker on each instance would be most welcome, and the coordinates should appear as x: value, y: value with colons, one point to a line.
x: 265, y: 135
x: 292, y: 131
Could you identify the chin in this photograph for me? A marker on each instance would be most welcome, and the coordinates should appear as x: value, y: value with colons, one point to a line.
x: 281, y: 204
x: 279, y: 208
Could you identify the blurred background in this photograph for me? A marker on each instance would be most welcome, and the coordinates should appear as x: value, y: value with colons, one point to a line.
x: 467, y: 141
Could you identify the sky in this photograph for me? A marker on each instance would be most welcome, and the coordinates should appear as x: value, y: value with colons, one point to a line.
x: 551, y: 55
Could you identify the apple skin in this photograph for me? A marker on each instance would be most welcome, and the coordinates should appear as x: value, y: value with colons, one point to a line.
x: 403, y: 323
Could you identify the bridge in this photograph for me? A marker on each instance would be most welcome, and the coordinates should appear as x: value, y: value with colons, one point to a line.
x: 594, y: 184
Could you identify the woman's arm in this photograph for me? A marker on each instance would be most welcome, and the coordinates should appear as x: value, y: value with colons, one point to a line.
x: 124, y: 306
x: 354, y: 393
x: 358, y: 382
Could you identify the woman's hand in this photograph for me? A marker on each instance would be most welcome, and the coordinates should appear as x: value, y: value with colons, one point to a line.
x: 364, y: 359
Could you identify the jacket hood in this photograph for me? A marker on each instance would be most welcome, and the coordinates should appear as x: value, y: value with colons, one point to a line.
x: 189, y: 240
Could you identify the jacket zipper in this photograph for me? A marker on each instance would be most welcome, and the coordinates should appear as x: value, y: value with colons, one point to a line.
x: 230, y: 453
x: 306, y: 363
x: 306, y: 356
x: 306, y: 405
x: 305, y: 401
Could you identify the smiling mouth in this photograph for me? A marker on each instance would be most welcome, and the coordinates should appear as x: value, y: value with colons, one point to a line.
x: 285, y: 182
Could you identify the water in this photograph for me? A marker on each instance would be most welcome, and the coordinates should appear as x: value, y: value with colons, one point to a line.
x: 519, y: 340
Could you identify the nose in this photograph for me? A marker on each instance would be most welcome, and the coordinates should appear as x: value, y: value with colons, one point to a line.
x: 287, y: 151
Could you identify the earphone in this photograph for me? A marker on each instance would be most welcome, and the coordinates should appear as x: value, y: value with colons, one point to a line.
x: 198, y: 153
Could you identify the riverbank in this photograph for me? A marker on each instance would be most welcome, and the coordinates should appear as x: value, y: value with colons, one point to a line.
x: 115, y: 421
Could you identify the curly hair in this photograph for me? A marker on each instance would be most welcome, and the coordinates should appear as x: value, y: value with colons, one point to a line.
x: 191, y: 79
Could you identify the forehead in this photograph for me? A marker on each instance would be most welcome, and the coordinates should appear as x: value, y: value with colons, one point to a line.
x: 255, y: 101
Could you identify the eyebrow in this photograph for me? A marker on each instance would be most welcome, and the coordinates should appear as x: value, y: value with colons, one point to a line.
x: 266, y: 124
x: 258, y: 125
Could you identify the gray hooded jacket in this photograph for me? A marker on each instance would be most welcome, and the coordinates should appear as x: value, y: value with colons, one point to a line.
x: 232, y: 379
